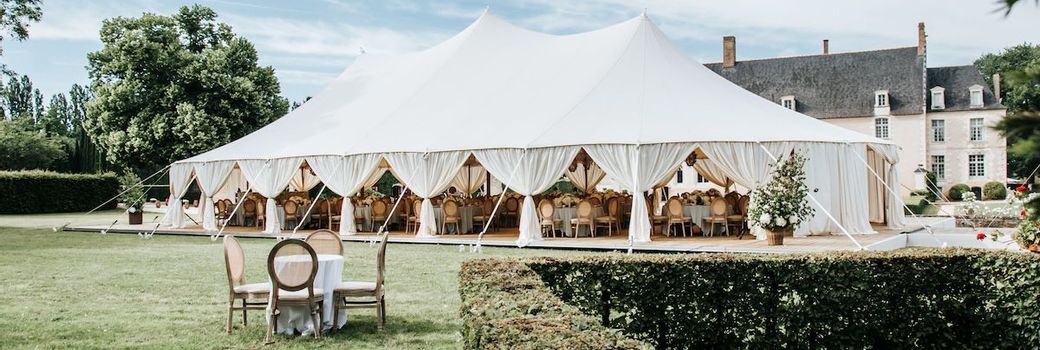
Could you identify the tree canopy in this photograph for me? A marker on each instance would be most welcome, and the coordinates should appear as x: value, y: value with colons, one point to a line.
x: 169, y: 87
x: 1021, y: 94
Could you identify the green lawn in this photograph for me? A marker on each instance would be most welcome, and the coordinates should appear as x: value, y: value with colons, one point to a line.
x: 85, y: 290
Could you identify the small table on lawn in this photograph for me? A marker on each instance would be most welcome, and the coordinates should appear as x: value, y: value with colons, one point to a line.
x: 298, y: 318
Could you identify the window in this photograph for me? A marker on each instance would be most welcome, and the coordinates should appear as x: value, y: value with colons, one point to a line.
x: 788, y: 102
x: 701, y: 179
x: 938, y: 97
x: 881, y: 128
x: 678, y: 177
x: 976, y: 96
x: 975, y: 128
x: 976, y: 165
x: 938, y: 130
x: 939, y: 167
x: 881, y: 100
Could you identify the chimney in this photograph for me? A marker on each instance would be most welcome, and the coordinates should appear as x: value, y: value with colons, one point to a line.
x: 996, y: 87
x: 729, y: 51
x: 921, y: 41
x: 826, y: 47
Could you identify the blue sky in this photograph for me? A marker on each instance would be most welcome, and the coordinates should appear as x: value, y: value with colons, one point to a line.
x: 309, y: 42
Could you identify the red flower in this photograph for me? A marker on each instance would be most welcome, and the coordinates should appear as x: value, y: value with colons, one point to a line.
x: 1021, y: 189
x: 980, y: 236
x: 1023, y: 213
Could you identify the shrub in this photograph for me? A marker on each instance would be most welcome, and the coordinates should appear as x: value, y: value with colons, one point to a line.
x: 949, y: 298
x: 994, y: 191
x: 506, y: 306
x: 36, y: 191
x: 21, y: 148
x: 918, y: 208
x: 932, y: 184
x: 956, y: 192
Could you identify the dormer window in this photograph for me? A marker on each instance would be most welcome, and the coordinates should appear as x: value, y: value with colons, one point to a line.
x: 976, y: 96
x: 788, y: 102
x: 938, y: 97
x: 881, y: 98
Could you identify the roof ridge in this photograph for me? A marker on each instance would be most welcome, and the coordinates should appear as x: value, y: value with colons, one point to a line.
x: 820, y: 54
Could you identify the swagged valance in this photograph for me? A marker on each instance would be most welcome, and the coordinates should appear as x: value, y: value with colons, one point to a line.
x: 523, y: 104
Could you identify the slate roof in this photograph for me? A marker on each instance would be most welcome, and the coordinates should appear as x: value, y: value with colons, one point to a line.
x: 838, y: 85
x: 957, y: 80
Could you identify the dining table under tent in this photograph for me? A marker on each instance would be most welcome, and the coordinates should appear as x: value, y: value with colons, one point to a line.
x: 524, y: 104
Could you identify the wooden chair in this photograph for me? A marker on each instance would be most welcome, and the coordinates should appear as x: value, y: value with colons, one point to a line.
x: 718, y: 215
x: 404, y: 210
x: 320, y: 213
x: 261, y: 213
x: 677, y: 216
x: 655, y: 220
x: 253, y: 295
x: 325, y: 242
x: 379, y: 213
x: 249, y: 212
x: 413, y: 220
x: 484, y: 218
x: 292, y: 212
x: 584, y: 217
x: 335, y: 213
x: 595, y: 201
x: 512, y: 210
x: 611, y: 218
x: 739, y: 219
x: 547, y: 217
x: 294, y: 285
x: 451, y: 216
x: 371, y: 294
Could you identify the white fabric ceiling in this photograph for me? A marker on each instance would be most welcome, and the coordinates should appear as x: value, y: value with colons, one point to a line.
x: 495, y: 85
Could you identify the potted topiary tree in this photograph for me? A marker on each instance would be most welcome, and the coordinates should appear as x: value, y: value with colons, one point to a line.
x: 133, y: 197
x: 780, y: 205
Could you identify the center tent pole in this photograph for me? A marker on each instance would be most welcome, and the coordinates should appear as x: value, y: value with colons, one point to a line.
x: 818, y: 204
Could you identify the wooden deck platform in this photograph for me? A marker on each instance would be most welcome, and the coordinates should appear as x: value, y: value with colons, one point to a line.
x: 617, y: 242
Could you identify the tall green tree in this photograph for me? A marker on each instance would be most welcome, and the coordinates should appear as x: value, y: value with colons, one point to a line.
x: 15, y: 17
x: 1018, y: 97
x: 169, y: 87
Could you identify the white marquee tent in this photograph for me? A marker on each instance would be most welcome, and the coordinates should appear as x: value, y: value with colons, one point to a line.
x: 524, y: 103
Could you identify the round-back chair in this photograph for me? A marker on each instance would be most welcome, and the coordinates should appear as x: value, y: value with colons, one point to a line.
x: 292, y: 281
x: 325, y: 242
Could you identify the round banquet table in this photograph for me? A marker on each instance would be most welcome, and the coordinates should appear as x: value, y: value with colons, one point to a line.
x: 295, y: 319
x: 466, y: 214
x: 566, y: 214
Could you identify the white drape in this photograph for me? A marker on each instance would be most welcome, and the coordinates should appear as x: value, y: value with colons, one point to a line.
x: 586, y: 179
x: 269, y: 178
x: 180, y: 178
x: 233, y: 185
x: 711, y: 172
x: 345, y: 176
x: 211, y: 177
x: 528, y: 172
x: 303, y: 180
x: 746, y: 163
x: 854, y: 212
x: 469, y: 179
x: 427, y: 174
x: 894, y: 216
x: 638, y: 169
x: 875, y: 189
x: 821, y: 176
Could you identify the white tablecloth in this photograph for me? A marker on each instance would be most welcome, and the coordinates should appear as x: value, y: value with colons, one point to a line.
x: 566, y: 214
x: 465, y: 213
x: 330, y: 273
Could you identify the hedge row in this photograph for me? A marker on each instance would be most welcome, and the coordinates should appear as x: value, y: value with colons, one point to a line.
x: 34, y: 191
x: 506, y: 306
x: 932, y: 298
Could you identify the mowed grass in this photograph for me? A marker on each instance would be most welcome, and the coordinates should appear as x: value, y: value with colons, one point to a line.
x: 86, y: 290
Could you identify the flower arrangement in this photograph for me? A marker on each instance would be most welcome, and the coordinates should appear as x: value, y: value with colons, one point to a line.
x: 566, y: 201
x: 133, y: 195
x: 781, y: 205
x: 712, y: 193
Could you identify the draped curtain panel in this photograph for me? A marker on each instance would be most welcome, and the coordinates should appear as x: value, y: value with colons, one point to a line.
x: 586, y: 179
x: 269, y: 178
x: 469, y: 179
x: 894, y: 216
x: 233, y: 185
x: 345, y: 176
x: 211, y: 177
x: 821, y: 176
x: 711, y: 172
x: 854, y: 213
x: 638, y: 168
x: 303, y: 180
x: 373, y: 178
x: 426, y: 174
x: 528, y: 172
x: 875, y: 189
x: 180, y: 178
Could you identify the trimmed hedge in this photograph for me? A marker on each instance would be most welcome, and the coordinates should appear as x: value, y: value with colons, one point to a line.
x: 956, y: 192
x: 994, y: 190
x: 35, y: 191
x: 950, y: 298
x: 506, y: 306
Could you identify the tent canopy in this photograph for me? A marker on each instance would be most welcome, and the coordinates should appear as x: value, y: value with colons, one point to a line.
x: 496, y: 85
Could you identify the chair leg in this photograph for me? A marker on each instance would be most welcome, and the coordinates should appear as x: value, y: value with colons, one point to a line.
x: 230, y: 314
x: 245, y: 318
x: 336, y: 304
x: 315, y: 322
x: 381, y: 310
x: 272, y: 321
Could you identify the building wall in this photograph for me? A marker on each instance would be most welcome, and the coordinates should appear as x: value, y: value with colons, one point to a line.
x: 958, y: 146
x: 906, y: 131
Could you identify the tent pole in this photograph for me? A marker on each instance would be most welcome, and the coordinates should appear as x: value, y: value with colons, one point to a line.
x: 835, y: 221
x: 897, y: 196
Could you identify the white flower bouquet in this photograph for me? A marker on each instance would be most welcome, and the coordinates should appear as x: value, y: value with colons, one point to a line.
x: 781, y: 204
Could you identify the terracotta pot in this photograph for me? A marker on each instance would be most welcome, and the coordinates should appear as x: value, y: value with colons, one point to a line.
x: 776, y: 237
x: 136, y: 218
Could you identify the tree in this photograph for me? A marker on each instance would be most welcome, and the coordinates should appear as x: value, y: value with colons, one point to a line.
x: 15, y: 17
x: 24, y: 148
x: 1019, y: 98
x: 169, y: 87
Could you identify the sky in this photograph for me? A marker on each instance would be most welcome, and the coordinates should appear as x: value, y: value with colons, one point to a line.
x: 309, y: 42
